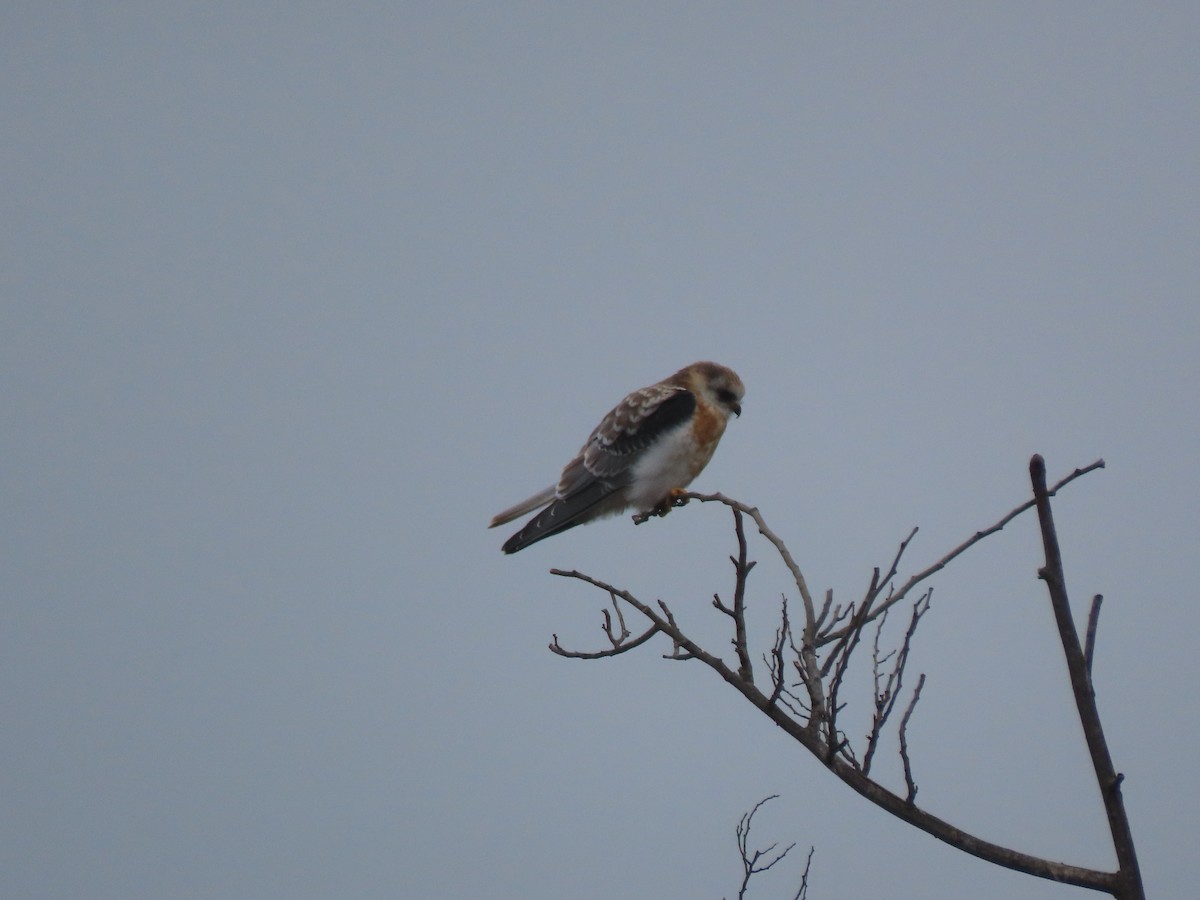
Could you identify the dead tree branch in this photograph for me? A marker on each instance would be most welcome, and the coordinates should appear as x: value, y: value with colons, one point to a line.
x: 817, y: 652
x: 1129, y: 879
x: 802, y: 891
x: 885, y: 695
x: 741, y: 568
x: 1089, y: 645
x: 618, y: 639
x: 902, y: 592
x: 908, y: 775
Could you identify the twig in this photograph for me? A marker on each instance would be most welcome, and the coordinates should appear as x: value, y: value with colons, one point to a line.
x: 908, y: 775
x: 962, y: 548
x: 839, y: 658
x: 742, y: 569
x: 625, y: 647
x: 777, y: 665
x: 885, y: 700
x: 802, y: 893
x: 881, y: 696
x: 619, y: 641
x: 1089, y: 645
x: 824, y: 611
x: 877, y: 583
x: 750, y: 861
x: 776, y: 541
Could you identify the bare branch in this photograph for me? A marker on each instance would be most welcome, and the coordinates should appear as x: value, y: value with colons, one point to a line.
x: 678, y: 652
x: 751, y: 860
x: 742, y: 567
x: 877, y: 584
x: 776, y: 541
x: 813, y: 723
x: 881, y: 698
x: 608, y: 623
x: 885, y: 699
x: 1129, y: 875
x: 624, y: 647
x: 1089, y: 645
x: 840, y: 615
x: 776, y: 664
x: 908, y: 775
x: 962, y: 548
x: 618, y: 637
x: 685, y: 647
x: 802, y: 893
x: 783, y: 714
x: 839, y: 658
x: 824, y: 611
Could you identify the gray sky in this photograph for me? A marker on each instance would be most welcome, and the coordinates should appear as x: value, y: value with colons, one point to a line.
x: 296, y: 296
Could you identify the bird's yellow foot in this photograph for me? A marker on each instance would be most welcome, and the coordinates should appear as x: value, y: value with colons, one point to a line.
x: 675, y: 497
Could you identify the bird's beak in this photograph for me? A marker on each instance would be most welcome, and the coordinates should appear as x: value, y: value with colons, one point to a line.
x: 737, y: 409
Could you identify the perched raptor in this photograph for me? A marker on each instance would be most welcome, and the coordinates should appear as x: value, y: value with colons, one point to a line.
x: 641, y: 456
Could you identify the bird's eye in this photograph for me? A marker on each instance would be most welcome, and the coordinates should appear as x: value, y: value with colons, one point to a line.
x: 727, y: 397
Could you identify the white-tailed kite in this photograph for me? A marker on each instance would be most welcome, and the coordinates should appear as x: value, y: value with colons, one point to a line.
x: 641, y: 456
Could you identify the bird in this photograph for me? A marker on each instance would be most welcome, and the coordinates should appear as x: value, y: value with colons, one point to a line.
x: 641, y: 456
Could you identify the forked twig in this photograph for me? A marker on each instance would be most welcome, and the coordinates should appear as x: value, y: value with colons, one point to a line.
x: 752, y: 860
x: 619, y: 640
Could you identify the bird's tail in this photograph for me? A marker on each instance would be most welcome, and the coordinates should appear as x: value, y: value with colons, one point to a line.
x: 551, y: 520
x: 562, y: 514
x: 538, y: 500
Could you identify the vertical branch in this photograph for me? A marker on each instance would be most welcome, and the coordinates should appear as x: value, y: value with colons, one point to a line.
x: 741, y: 569
x: 802, y: 891
x: 839, y: 658
x: 1089, y: 644
x: 777, y: 664
x: 908, y: 775
x: 1129, y: 876
x: 739, y: 599
x: 885, y: 697
x: 882, y: 694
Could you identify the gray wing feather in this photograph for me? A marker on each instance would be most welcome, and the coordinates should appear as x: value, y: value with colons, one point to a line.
x: 538, y: 500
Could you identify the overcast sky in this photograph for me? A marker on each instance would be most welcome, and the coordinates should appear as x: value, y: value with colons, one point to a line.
x: 296, y: 296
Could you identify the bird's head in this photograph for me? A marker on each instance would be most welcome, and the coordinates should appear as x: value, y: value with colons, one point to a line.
x: 719, y: 385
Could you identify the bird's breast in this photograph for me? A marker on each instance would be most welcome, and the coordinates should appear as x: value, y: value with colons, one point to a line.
x: 675, y: 459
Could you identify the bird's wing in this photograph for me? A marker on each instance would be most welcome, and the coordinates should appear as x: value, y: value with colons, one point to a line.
x: 605, y: 463
x: 630, y: 427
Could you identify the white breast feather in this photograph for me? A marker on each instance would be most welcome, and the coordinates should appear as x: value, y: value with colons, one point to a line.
x: 665, y: 464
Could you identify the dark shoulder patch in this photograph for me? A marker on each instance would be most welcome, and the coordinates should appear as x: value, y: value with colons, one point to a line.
x: 671, y: 413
